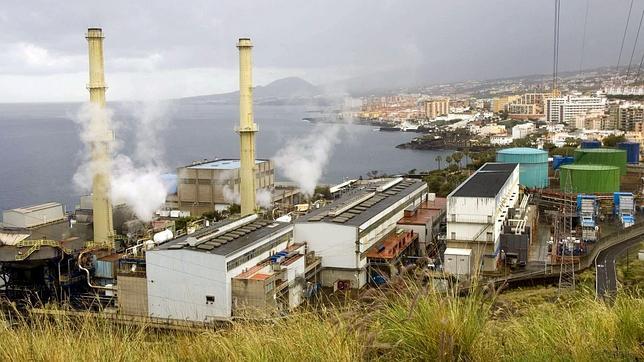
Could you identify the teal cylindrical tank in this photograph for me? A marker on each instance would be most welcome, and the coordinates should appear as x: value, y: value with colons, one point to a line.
x: 533, y: 165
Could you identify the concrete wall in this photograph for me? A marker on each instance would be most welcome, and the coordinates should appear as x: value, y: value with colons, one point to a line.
x: 133, y: 294
x: 180, y: 280
x: 336, y: 244
x: 251, y: 295
x: 357, y: 277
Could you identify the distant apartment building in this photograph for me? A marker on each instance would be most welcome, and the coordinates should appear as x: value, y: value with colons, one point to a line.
x: 499, y: 104
x: 629, y: 115
x: 638, y: 127
x: 501, y: 139
x: 436, y: 107
x: 566, y: 109
x: 490, y: 129
x: 522, y: 110
x: 594, y: 120
x: 522, y: 130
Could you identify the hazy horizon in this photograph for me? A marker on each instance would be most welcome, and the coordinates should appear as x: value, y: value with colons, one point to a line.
x: 165, y: 50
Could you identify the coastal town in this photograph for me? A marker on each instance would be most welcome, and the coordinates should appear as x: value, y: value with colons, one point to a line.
x: 589, y: 106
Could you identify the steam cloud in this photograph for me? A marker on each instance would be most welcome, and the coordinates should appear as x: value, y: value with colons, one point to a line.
x: 303, y: 160
x: 263, y: 197
x: 137, y: 183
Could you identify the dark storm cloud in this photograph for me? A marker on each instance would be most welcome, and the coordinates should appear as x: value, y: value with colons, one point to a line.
x: 442, y: 40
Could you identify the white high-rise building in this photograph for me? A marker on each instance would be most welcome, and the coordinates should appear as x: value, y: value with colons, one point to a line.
x: 567, y: 109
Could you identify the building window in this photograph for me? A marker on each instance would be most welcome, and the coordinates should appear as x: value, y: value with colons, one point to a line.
x: 453, y: 218
x: 210, y: 299
x: 489, y: 236
x: 453, y: 235
x: 489, y: 219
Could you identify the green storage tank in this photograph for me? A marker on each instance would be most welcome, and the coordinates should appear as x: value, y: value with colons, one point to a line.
x: 589, y: 178
x: 601, y: 156
x: 533, y: 165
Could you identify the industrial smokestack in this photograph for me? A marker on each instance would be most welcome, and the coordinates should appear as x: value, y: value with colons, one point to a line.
x: 247, y: 128
x: 100, y: 147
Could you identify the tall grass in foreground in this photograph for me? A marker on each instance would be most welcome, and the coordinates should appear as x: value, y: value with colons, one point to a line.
x: 413, y: 324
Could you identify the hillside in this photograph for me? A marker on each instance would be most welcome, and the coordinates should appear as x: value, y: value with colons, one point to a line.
x: 410, y: 324
x: 290, y: 90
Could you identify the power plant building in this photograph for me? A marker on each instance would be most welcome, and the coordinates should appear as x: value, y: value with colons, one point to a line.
x: 35, y: 215
x: 344, y: 232
x: 478, y: 209
x: 213, y: 185
x: 191, y: 277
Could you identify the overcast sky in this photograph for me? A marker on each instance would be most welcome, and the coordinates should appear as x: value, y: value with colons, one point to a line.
x: 165, y: 48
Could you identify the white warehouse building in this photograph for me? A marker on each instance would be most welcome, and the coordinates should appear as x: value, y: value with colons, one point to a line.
x: 341, y: 233
x: 477, y: 210
x: 190, y: 277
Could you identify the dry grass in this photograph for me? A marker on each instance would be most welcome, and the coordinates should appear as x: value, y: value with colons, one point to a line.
x: 412, y: 323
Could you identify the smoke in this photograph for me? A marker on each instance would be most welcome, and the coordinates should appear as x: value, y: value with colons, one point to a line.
x: 264, y: 198
x: 136, y: 183
x: 303, y: 160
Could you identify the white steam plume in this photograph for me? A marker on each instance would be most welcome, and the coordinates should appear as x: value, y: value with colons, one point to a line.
x: 139, y: 185
x: 303, y: 160
x: 264, y: 198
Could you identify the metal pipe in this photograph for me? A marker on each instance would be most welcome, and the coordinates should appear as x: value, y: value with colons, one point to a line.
x: 247, y: 128
x: 89, y: 283
x: 100, y: 145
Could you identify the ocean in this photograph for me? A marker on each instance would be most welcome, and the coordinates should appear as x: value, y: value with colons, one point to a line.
x: 41, y: 149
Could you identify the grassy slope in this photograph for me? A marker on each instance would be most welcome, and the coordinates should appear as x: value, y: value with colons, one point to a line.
x: 412, y: 325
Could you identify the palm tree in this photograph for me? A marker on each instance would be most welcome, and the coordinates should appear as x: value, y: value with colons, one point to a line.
x: 457, y: 157
x: 448, y: 159
x: 438, y: 159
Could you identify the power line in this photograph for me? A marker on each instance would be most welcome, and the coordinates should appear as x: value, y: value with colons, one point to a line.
x: 628, y: 19
x: 628, y: 71
x: 555, y: 53
x: 583, y: 39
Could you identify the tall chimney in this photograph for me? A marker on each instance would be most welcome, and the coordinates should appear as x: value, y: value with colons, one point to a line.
x: 100, y: 146
x: 247, y: 128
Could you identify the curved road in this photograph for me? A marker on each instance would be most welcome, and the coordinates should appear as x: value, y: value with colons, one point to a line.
x: 606, y: 274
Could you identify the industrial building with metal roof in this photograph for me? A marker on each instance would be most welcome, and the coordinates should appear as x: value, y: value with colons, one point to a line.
x: 341, y: 233
x: 190, y: 277
x: 478, y: 208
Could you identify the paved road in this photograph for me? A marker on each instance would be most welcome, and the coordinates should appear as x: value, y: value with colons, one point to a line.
x: 606, y: 274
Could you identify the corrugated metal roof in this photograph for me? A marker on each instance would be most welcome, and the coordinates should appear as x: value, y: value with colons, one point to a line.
x: 366, y: 209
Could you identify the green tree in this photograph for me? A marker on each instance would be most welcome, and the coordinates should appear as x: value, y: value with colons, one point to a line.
x: 449, y: 160
x: 438, y: 160
x: 457, y: 157
x: 613, y: 140
x: 572, y: 141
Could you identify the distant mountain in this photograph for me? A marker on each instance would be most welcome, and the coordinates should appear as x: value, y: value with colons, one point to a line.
x: 291, y: 90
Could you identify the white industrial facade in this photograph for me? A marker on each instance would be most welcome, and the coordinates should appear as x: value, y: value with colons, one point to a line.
x: 341, y: 233
x: 477, y: 209
x: 30, y: 216
x: 190, y: 282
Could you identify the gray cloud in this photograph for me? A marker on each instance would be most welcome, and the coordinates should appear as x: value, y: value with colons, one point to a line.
x: 165, y: 40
